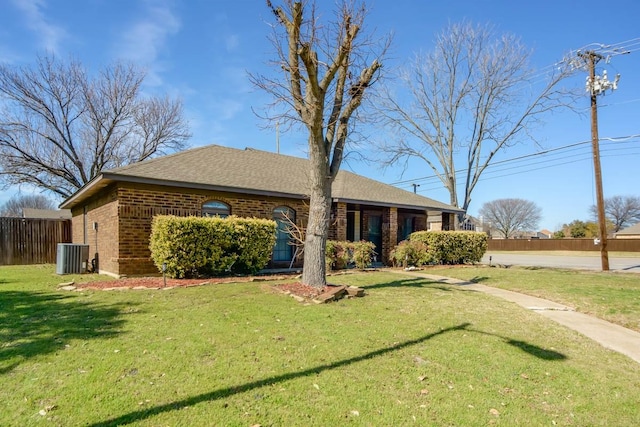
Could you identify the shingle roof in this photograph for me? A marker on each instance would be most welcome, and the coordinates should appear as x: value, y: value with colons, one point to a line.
x: 46, y: 213
x: 255, y: 172
x: 634, y: 229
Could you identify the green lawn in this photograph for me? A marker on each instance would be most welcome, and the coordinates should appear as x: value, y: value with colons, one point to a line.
x: 611, y: 296
x: 412, y: 352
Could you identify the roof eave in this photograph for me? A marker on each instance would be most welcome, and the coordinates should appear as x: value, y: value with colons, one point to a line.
x: 108, y: 178
x: 86, y: 191
x: 397, y: 205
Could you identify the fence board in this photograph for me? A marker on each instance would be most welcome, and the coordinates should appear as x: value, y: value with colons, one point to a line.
x: 32, y: 241
x: 613, y: 245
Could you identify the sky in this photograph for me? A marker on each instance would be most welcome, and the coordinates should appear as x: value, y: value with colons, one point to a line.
x: 202, y: 51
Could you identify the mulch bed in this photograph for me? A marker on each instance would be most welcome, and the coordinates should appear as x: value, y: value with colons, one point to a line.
x: 154, y: 283
x: 300, y: 289
x: 294, y: 288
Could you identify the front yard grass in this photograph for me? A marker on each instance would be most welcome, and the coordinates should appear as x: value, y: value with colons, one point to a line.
x: 610, y: 296
x: 412, y: 352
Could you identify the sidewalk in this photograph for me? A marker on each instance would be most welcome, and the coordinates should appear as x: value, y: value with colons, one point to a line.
x: 609, y: 335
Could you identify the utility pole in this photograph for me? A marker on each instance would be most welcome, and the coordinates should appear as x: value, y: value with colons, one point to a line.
x: 415, y: 187
x: 597, y: 85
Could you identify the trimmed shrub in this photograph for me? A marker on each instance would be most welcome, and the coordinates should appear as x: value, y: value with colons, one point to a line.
x: 195, y: 246
x: 411, y: 253
x: 339, y: 254
x: 363, y: 253
x: 453, y: 247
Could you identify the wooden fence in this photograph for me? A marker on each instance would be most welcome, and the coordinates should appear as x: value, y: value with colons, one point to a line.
x: 613, y: 245
x: 32, y: 241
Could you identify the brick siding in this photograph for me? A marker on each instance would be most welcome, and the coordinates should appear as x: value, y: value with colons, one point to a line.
x: 103, y: 239
x: 338, y: 228
x: 124, y: 211
x: 389, y: 232
x: 124, y: 218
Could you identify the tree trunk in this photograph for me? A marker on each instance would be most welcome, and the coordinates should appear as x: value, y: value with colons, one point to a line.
x: 314, y: 272
x: 322, y: 88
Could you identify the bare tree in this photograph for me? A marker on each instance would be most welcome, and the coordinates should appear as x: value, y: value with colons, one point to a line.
x: 508, y: 216
x: 296, y: 232
x: 457, y: 106
x: 60, y: 127
x: 620, y: 211
x: 13, y: 207
x: 326, y: 72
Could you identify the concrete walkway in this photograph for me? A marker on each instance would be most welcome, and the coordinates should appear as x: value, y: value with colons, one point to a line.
x: 609, y: 335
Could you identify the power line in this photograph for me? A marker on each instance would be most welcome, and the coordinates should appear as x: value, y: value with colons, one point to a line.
x: 584, y: 157
x: 620, y: 103
x: 522, y: 166
x: 568, y: 147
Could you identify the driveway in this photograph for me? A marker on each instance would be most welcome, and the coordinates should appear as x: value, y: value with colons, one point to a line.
x: 579, y: 262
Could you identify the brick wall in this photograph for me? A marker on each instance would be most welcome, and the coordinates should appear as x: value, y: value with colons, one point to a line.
x: 139, y: 203
x: 338, y: 230
x: 103, y: 238
x: 420, y: 223
x: 77, y: 227
x: 124, y: 213
x: 389, y: 232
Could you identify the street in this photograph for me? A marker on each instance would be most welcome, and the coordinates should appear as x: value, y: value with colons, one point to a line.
x: 580, y: 262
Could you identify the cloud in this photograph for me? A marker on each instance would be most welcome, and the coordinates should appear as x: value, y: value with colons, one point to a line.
x: 7, y: 56
x: 50, y: 36
x: 231, y: 41
x: 145, y: 39
x: 227, y: 109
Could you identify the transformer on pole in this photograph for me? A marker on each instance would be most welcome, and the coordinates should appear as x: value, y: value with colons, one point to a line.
x: 597, y: 85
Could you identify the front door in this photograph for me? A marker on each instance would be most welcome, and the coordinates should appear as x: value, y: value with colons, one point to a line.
x: 375, y: 234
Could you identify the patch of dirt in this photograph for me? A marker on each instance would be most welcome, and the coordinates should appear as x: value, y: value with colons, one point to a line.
x: 300, y: 289
x: 291, y: 288
x: 158, y: 282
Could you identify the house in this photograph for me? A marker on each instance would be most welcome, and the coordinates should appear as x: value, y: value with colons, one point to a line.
x: 113, y: 212
x: 632, y: 232
x: 470, y: 224
x: 544, y: 234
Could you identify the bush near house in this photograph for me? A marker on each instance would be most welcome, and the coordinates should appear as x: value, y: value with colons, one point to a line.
x: 195, y: 246
x: 339, y: 254
x: 411, y: 253
x: 452, y: 247
x: 362, y: 254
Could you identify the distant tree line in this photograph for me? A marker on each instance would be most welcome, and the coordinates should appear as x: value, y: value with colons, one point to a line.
x: 620, y: 212
x: 15, y: 205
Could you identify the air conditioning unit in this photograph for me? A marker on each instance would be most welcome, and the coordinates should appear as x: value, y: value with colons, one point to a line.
x: 72, y: 258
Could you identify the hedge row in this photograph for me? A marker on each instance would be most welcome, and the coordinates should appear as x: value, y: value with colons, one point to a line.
x: 195, y: 246
x: 339, y: 254
x: 441, y: 247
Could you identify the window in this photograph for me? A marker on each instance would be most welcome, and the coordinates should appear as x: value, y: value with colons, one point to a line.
x: 405, y: 228
x: 215, y: 208
x: 283, y: 250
